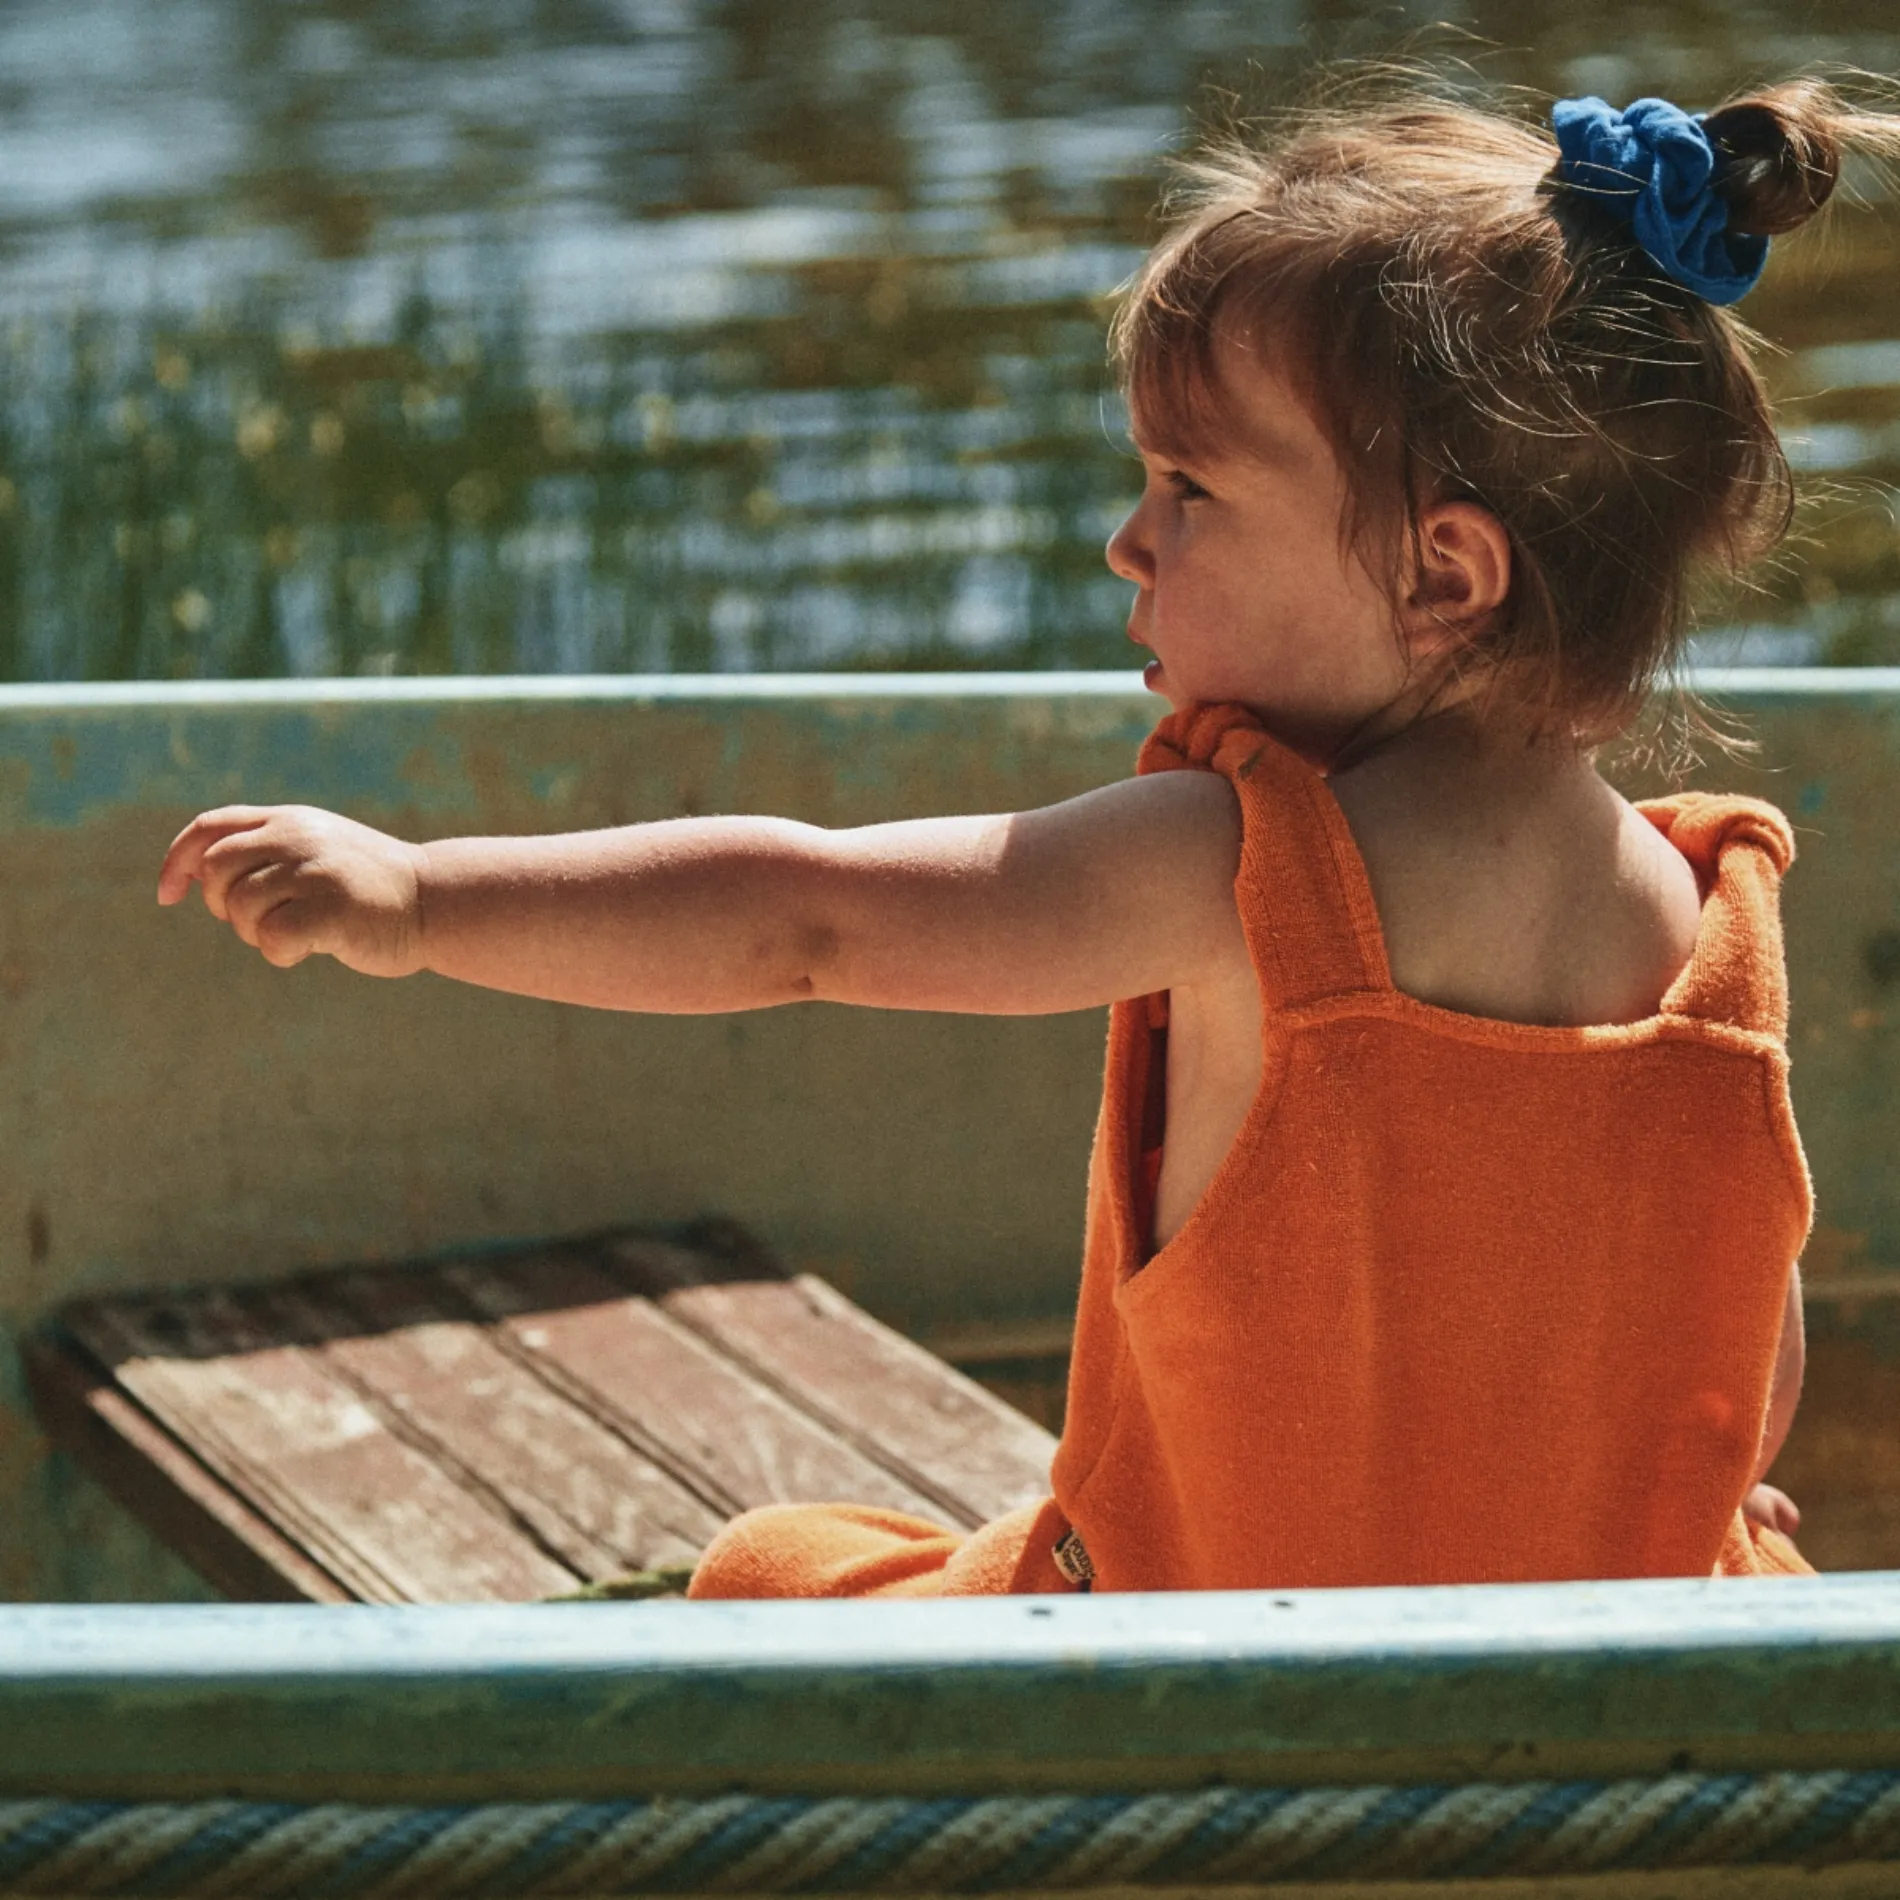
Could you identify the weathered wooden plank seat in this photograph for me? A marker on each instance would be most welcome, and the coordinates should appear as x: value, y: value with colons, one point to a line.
x: 512, y: 1426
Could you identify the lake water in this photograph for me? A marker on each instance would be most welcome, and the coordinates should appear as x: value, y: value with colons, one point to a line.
x: 656, y: 335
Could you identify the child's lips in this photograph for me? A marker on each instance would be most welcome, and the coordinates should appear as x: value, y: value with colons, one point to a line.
x: 1151, y: 673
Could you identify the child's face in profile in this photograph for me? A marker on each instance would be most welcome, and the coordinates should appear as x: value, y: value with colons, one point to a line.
x: 1247, y: 589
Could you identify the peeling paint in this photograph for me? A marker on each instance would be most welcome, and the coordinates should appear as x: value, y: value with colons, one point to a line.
x: 68, y: 760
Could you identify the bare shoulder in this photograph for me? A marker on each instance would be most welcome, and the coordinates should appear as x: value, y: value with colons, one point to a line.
x: 1161, y: 851
x: 1664, y: 895
x: 1183, y: 827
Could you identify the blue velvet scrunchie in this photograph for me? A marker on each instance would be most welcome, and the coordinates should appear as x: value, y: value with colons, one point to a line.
x: 1655, y: 165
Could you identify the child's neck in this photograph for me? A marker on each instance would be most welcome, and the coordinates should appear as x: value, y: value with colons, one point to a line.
x: 1488, y: 756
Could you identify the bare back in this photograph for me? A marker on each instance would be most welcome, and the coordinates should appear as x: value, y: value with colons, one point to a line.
x: 1511, y: 882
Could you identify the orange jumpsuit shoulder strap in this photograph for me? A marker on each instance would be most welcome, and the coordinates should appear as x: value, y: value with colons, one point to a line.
x: 1307, y: 910
x: 1740, y: 848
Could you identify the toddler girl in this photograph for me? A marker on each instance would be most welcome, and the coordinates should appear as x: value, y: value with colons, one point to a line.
x: 1445, y: 1200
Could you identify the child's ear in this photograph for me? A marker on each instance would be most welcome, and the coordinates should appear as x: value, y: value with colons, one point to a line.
x: 1461, y: 573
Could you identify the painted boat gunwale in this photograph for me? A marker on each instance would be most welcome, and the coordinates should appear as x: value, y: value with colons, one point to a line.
x: 1133, y: 1692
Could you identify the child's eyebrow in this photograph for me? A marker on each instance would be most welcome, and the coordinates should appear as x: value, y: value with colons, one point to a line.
x: 1253, y: 447
x: 1173, y: 456
x: 1245, y: 438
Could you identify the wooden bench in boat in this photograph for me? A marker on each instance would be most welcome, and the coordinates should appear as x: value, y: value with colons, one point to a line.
x: 512, y: 1426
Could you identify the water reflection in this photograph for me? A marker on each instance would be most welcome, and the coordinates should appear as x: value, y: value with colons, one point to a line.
x: 672, y: 335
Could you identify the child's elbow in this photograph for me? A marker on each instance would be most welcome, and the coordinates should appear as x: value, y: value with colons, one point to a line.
x: 776, y: 901
x: 799, y: 942
x: 815, y: 957
x: 828, y: 921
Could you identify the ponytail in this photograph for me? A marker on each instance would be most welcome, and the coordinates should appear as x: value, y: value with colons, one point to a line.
x: 1781, y: 148
x: 1780, y: 156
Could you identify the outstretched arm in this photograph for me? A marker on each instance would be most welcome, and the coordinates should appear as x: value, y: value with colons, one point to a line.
x: 1119, y: 892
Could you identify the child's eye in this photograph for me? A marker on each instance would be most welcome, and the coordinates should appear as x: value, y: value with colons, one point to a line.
x: 1185, y: 486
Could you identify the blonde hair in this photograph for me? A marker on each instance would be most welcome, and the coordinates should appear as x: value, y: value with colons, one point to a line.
x: 1465, y: 325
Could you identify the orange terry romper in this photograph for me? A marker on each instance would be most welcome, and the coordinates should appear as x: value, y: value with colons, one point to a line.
x: 1467, y: 1301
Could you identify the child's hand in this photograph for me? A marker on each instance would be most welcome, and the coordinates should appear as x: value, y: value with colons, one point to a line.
x: 291, y: 880
x: 1775, y: 1510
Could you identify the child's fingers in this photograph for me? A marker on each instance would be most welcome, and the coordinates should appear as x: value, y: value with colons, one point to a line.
x: 287, y: 932
x: 234, y: 864
x: 277, y: 907
x: 184, y: 859
x: 282, y: 911
x: 242, y: 888
x: 1768, y: 1505
x: 271, y: 908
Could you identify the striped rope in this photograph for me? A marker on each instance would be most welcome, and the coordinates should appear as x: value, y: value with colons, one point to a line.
x: 255, y: 1850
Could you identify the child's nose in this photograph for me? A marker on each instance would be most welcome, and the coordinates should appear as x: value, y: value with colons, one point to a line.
x: 1127, y: 551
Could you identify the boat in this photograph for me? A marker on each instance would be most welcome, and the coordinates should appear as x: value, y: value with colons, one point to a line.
x: 179, y: 1114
